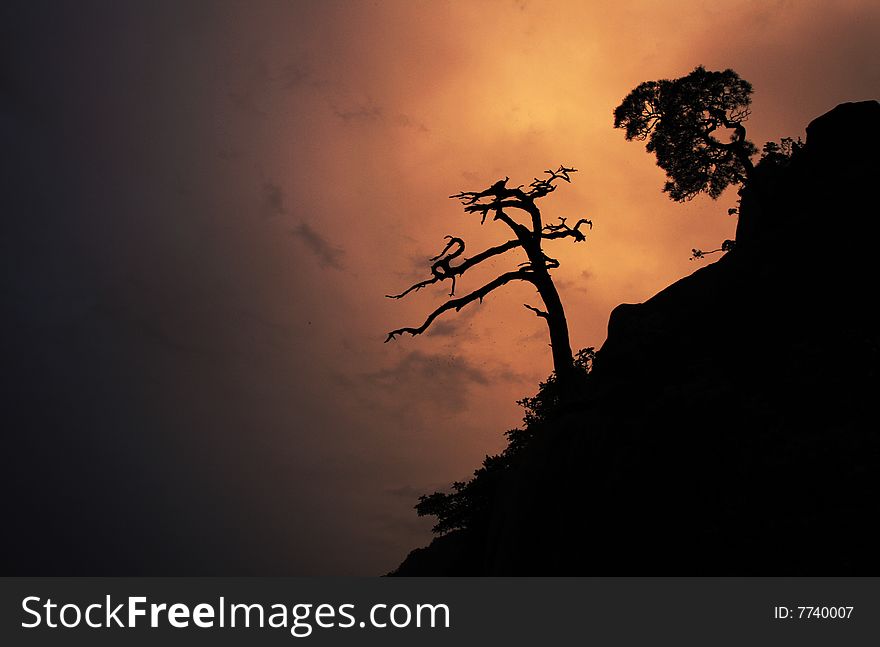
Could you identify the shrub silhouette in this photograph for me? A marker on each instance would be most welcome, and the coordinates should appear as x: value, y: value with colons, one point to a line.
x: 470, y: 502
x: 779, y: 155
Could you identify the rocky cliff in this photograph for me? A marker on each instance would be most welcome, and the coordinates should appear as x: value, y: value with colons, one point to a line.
x: 730, y: 425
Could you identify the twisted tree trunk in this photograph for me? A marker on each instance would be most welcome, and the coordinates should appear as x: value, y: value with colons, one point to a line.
x: 557, y: 327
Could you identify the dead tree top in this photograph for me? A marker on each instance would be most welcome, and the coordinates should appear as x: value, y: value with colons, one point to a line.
x: 497, y: 200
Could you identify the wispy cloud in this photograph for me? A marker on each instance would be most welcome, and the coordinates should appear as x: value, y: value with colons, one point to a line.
x: 453, y: 325
x: 230, y: 154
x: 424, y: 377
x: 273, y: 199
x: 359, y: 112
x: 405, y: 121
x: 295, y: 75
x: 372, y: 112
x: 327, y: 253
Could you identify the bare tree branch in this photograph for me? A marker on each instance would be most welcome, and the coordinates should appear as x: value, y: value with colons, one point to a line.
x: 537, y: 311
x: 450, y: 272
x: 542, y: 186
x: 440, y: 269
x: 492, y: 251
x: 414, y: 288
x: 549, y: 262
x: 504, y: 197
x: 562, y: 230
x: 498, y: 207
x: 459, y: 303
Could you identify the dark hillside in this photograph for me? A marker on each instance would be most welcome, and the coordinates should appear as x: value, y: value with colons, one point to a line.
x: 730, y: 422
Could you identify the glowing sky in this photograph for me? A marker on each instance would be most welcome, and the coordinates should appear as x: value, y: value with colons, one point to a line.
x: 212, y: 201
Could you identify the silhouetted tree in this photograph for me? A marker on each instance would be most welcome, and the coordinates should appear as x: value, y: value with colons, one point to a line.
x: 681, y: 120
x: 500, y: 201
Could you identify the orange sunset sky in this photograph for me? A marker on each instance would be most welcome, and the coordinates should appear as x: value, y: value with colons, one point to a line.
x: 268, y: 171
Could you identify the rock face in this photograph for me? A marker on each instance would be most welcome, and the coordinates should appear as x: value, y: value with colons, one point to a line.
x: 731, y: 425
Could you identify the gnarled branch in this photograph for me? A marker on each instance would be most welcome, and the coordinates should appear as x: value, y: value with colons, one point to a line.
x: 440, y: 269
x: 542, y: 186
x: 451, y: 272
x: 459, y: 303
x: 562, y: 230
x: 414, y: 288
x: 501, y: 197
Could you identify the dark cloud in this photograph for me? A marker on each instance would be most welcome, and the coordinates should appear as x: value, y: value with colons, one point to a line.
x: 454, y: 324
x: 538, y: 335
x: 473, y: 177
x: 437, y: 368
x: 361, y: 112
x: 418, y: 267
x: 230, y: 154
x: 293, y: 75
x: 273, y: 199
x: 426, y: 378
x: 371, y: 112
x: 446, y: 328
x: 579, y: 284
x: 152, y: 331
x: 405, y: 121
x: 327, y: 253
x: 424, y: 388
x: 245, y: 102
x: 251, y: 85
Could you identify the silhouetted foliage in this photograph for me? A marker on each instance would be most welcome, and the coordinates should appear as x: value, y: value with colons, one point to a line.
x: 681, y: 119
x: 500, y: 200
x: 470, y: 501
x: 780, y: 154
